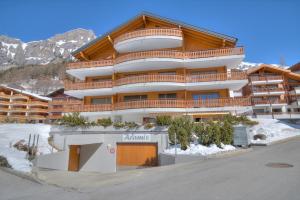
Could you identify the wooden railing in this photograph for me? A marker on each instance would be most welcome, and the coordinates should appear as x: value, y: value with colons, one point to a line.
x: 155, y: 78
x: 150, y: 54
x: 158, y: 54
x: 268, y: 101
x: 149, y: 32
x: 89, y: 64
x: 4, y: 96
x: 41, y: 110
x: 87, y: 85
x: 151, y: 104
x: 89, y: 108
x: 4, y: 102
x: 221, y: 102
x: 266, y: 78
x: 214, y: 53
x: 65, y: 101
x: 268, y: 89
x: 19, y: 96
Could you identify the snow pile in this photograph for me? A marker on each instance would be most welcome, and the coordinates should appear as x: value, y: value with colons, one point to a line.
x: 274, y: 130
x: 198, y: 149
x: 12, y: 133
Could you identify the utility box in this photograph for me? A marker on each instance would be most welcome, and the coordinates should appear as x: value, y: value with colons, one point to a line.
x: 241, y: 136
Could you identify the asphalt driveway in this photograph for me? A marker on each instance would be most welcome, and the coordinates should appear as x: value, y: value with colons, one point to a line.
x: 244, y: 176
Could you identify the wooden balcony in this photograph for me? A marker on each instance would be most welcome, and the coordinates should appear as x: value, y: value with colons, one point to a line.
x: 19, y: 96
x: 155, y: 78
x: 65, y: 101
x: 38, y: 110
x: 149, y: 32
x: 38, y: 103
x: 214, y: 53
x: 268, y: 101
x: 36, y: 117
x: 87, y: 85
x: 172, y: 54
x: 266, y: 78
x: 268, y: 90
x: 4, y: 96
x: 162, y: 103
x: 89, y: 108
x: 90, y: 64
x: 4, y: 102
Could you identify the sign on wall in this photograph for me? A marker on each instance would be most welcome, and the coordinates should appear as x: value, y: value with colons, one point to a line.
x: 136, y: 137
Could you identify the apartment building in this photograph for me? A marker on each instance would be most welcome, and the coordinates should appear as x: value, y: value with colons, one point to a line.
x: 274, y: 91
x: 21, y: 106
x: 59, y: 104
x: 152, y: 66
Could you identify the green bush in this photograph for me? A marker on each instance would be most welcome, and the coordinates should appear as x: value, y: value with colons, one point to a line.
x: 163, y: 120
x: 182, y: 127
x: 131, y: 125
x: 204, y: 136
x: 119, y: 125
x: 4, y: 162
x: 227, y: 133
x: 148, y: 125
x: 234, y: 120
x: 105, y: 122
x: 74, y: 120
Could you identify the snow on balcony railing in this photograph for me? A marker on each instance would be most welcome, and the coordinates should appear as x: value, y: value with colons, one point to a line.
x: 149, y: 32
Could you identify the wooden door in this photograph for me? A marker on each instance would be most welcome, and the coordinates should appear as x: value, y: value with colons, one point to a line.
x: 74, y: 156
x: 137, y: 154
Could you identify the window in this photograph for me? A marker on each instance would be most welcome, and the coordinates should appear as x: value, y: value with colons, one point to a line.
x: 101, y: 100
x: 135, y: 97
x: 206, y: 96
x: 168, y: 96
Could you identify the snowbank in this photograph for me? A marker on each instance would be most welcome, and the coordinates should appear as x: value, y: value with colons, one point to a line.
x: 274, y: 130
x: 12, y: 133
x: 198, y: 149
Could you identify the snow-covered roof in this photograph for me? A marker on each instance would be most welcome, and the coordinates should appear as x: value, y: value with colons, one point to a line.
x: 27, y: 93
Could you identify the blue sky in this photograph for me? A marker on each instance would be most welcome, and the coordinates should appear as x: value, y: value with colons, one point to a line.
x: 268, y: 29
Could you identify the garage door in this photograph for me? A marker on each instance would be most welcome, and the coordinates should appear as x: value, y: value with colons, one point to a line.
x: 137, y: 154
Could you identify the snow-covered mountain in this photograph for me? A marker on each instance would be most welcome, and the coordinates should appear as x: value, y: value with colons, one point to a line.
x: 248, y: 65
x: 14, y: 52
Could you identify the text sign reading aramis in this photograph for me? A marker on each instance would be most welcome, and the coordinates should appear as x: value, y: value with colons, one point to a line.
x: 136, y: 137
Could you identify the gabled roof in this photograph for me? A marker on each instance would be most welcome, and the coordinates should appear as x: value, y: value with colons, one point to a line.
x: 274, y: 69
x: 295, y: 67
x: 26, y: 93
x: 153, y: 16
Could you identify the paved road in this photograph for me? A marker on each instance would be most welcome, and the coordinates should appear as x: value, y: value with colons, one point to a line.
x: 239, y: 177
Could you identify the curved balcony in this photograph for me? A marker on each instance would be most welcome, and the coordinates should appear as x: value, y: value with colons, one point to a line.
x: 4, y: 96
x: 81, y: 89
x: 148, y: 39
x: 145, y: 60
x: 91, y: 68
x: 164, y: 105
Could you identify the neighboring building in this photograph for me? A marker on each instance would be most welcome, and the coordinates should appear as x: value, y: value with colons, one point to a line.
x: 59, y: 104
x: 274, y: 91
x: 21, y: 106
x: 152, y: 66
x: 295, y: 68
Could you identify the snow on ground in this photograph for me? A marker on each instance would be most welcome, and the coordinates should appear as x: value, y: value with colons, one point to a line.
x: 198, y: 149
x: 274, y: 130
x: 12, y: 133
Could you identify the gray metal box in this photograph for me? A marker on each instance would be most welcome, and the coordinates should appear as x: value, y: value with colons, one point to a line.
x: 241, y: 137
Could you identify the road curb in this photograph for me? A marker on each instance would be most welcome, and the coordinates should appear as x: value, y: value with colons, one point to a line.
x: 229, y: 153
x: 278, y: 141
x: 27, y: 176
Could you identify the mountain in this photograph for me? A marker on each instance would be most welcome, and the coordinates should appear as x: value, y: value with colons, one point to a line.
x: 247, y: 65
x: 14, y: 52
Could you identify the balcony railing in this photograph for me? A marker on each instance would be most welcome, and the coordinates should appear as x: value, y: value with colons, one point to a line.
x: 162, y: 103
x: 87, y: 85
x: 90, y: 64
x: 268, y: 101
x: 65, y: 101
x: 159, y: 54
x: 268, y: 90
x: 155, y: 78
x: 89, y: 108
x: 266, y: 78
x: 4, y: 96
x: 149, y: 32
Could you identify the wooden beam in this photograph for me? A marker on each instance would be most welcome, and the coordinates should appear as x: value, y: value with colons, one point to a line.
x: 83, y: 56
x: 144, y: 20
x: 223, y: 43
x: 110, y: 40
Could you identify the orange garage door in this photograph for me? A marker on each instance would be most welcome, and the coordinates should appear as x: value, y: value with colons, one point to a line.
x: 137, y: 154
